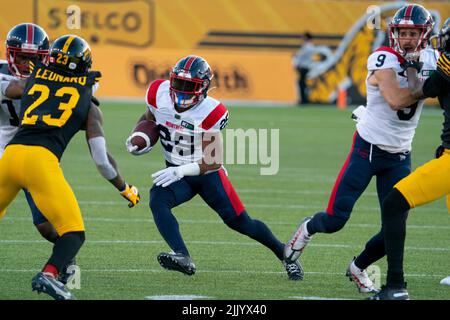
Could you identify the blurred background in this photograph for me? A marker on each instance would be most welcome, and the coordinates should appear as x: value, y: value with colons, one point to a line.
x: 249, y: 44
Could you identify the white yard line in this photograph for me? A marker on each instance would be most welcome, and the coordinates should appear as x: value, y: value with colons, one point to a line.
x: 160, y: 270
x: 209, y: 243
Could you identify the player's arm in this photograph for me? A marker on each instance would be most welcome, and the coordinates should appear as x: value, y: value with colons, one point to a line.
x: 104, y: 161
x: 212, y: 152
x: 15, y: 89
x: 132, y: 148
x: 397, y: 97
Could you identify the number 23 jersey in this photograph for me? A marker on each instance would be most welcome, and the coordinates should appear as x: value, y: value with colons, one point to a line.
x: 391, y: 130
x: 181, y: 134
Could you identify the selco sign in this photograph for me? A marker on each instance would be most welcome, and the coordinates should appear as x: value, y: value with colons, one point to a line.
x: 117, y: 22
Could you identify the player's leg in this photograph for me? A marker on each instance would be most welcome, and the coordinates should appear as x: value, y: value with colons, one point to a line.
x: 42, y: 225
x: 390, y: 169
x: 217, y: 191
x: 56, y: 200
x: 8, y: 188
x: 351, y: 182
x: 427, y: 183
x: 397, y: 169
x: 162, y: 200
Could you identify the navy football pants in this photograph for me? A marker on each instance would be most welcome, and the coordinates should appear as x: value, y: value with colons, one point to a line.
x: 364, y: 162
x: 218, y: 193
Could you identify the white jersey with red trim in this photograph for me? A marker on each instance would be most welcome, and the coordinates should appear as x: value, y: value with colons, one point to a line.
x: 181, y: 133
x: 9, y: 109
x: 391, y: 130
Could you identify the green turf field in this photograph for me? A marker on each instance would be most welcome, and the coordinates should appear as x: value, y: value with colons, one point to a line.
x: 118, y: 260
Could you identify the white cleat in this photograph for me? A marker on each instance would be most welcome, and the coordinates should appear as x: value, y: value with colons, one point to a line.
x: 295, y: 246
x: 446, y: 281
x: 360, y: 278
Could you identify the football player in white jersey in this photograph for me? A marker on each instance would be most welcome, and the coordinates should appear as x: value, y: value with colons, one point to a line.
x: 189, y: 123
x: 382, y: 141
x: 24, y: 42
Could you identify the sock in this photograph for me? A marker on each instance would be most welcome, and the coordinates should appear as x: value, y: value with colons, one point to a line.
x: 394, y: 214
x: 51, y: 269
x: 325, y: 223
x: 258, y: 231
x: 374, y: 251
x: 66, y: 248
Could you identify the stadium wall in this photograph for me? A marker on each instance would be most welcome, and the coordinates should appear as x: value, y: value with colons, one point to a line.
x: 249, y: 44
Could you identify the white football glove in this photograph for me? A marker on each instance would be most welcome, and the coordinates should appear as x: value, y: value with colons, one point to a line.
x: 170, y: 175
x: 167, y: 176
x: 133, y: 149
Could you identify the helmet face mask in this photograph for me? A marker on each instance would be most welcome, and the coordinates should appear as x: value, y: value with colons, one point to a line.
x: 410, y: 17
x: 26, y: 42
x: 189, y: 81
x: 441, y: 41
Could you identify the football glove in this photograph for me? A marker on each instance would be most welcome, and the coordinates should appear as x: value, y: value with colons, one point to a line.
x: 131, y: 193
x: 167, y: 176
x: 412, y: 64
x: 439, y: 151
x: 134, y: 149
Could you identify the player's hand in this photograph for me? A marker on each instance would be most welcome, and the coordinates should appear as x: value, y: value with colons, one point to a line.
x: 167, y: 176
x: 439, y: 151
x: 133, y: 149
x: 131, y: 193
x: 412, y: 64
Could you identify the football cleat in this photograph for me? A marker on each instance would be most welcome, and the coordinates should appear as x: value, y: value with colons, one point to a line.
x: 295, y: 246
x: 360, y: 278
x: 177, y: 262
x: 294, y: 270
x: 67, y: 272
x: 446, y: 281
x: 49, y: 285
x: 391, y: 294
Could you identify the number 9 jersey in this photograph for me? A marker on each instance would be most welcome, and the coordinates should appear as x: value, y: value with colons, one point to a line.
x: 54, y: 107
x: 181, y: 133
x: 392, y: 130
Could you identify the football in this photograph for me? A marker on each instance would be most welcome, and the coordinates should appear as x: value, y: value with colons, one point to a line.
x: 145, y: 133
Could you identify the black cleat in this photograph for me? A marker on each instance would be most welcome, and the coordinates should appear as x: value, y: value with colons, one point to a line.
x: 67, y: 272
x: 49, y: 285
x: 391, y: 294
x: 294, y: 270
x: 177, y: 262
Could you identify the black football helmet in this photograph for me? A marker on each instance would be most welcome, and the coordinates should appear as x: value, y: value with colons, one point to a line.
x: 24, y: 42
x: 189, y: 81
x: 441, y: 41
x: 71, y: 53
x: 411, y: 16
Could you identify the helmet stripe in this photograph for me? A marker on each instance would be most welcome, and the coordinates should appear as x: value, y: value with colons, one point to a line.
x: 67, y: 44
x: 189, y: 63
x: 409, y: 11
x: 30, y: 33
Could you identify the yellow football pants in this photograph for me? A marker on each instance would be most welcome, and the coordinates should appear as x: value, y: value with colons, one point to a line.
x: 428, y: 182
x: 37, y: 169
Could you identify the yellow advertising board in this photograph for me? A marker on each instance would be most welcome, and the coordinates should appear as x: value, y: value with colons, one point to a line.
x: 249, y: 43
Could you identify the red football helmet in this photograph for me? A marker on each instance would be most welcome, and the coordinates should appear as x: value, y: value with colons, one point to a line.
x: 411, y: 16
x: 189, y: 81
x: 24, y: 42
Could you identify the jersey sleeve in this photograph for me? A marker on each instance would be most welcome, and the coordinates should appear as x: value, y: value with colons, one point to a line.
x: 443, y: 65
x: 150, y: 96
x: 382, y: 60
x: 436, y: 85
x: 216, y: 120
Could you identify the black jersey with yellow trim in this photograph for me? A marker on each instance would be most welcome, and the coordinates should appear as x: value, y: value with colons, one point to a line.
x: 438, y: 85
x: 54, y: 107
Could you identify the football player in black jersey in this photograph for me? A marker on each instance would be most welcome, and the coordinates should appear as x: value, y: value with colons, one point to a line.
x: 56, y: 104
x: 427, y: 183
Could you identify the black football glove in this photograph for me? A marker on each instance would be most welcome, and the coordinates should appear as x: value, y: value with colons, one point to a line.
x: 439, y: 152
x: 412, y: 64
